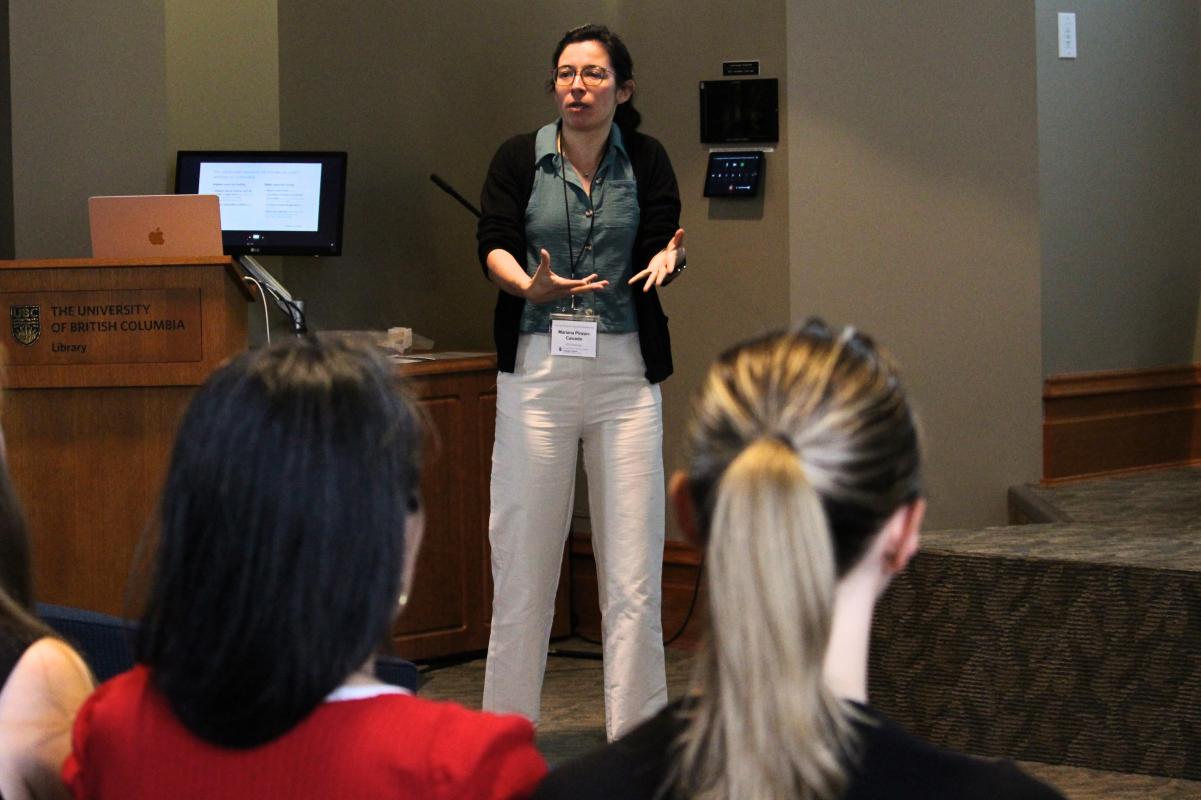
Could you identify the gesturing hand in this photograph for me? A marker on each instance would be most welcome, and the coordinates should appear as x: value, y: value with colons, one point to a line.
x: 662, y: 264
x: 545, y: 285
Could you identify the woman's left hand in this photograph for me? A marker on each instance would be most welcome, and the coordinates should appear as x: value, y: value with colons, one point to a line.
x: 663, y: 264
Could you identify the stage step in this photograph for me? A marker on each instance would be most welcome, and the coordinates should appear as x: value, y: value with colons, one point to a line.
x: 1074, y: 642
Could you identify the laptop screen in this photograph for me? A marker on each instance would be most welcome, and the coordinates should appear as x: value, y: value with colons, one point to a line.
x: 155, y: 226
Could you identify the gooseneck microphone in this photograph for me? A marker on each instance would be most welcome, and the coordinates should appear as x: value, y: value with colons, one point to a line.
x: 450, y: 190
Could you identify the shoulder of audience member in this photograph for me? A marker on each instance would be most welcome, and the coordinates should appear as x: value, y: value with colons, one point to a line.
x: 478, y: 754
x: 50, y: 678
x: 893, y: 756
x: 43, y: 693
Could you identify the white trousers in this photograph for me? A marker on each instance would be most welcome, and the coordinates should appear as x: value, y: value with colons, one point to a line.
x: 543, y: 410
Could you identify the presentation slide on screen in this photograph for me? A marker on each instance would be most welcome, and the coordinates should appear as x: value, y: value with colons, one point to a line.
x: 264, y: 197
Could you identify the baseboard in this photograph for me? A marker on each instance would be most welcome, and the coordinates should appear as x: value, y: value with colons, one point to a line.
x: 1108, y: 423
x: 681, y: 567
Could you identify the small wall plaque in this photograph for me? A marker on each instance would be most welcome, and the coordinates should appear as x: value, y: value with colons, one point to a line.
x: 740, y: 68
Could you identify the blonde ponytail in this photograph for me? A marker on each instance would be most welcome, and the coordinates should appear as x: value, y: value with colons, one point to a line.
x: 769, y: 557
x: 802, y: 446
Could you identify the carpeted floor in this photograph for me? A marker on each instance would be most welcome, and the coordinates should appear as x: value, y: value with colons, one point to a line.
x: 1155, y: 500
x: 573, y: 722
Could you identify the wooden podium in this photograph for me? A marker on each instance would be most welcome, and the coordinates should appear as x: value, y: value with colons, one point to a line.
x: 100, y: 358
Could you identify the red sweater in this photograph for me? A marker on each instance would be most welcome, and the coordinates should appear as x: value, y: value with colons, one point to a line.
x: 127, y: 744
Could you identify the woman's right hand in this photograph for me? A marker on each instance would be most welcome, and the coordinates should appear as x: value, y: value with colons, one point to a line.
x: 544, y: 285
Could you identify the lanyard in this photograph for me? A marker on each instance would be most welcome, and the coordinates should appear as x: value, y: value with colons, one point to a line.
x: 574, y: 260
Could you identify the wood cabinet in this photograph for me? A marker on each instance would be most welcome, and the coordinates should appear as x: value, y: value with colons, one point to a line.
x: 450, y: 606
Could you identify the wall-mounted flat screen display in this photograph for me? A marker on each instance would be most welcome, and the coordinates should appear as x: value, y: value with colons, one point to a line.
x: 272, y: 202
x: 740, y: 111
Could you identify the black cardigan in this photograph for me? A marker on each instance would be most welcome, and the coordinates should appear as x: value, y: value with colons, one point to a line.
x: 503, y: 200
x: 892, y: 764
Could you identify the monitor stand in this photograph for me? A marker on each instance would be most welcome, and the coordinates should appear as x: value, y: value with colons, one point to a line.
x: 293, y: 309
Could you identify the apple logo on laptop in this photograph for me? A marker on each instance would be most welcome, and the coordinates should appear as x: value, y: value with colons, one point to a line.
x: 156, y: 236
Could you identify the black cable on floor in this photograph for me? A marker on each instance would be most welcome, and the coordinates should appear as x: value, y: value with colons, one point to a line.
x: 696, y: 591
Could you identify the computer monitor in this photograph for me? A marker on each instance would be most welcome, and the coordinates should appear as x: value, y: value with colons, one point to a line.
x: 272, y: 202
x: 740, y: 111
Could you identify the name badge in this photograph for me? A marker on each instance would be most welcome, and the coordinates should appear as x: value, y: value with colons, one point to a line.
x: 573, y: 335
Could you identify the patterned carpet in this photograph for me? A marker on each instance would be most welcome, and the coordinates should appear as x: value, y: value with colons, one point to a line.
x: 1159, y: 500
x: 1071, y: 642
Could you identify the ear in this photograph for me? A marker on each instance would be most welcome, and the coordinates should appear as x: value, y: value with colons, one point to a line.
x: 904, y: 533
x: 679, y: 494
x: 625, y: 91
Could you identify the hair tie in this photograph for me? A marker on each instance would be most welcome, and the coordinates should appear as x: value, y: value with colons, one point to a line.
x: 783, y: 439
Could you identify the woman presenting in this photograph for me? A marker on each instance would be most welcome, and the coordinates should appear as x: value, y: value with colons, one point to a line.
x: 580, y: 227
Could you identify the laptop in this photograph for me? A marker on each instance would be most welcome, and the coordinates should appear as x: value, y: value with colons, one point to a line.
x: 155, y: 226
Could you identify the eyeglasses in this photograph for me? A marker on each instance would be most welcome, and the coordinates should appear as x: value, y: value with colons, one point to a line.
x: 591, y: 75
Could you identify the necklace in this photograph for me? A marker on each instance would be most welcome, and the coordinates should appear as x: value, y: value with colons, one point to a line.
x: 585, y: 174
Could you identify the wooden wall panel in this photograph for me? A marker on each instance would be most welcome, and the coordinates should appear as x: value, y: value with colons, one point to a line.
x: 447, y: 610
x: 1112, y: 422
x: 450, y: 607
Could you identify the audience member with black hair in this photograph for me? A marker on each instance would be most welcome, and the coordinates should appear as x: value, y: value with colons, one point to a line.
x: 44, y: 681
x: 804, y: 488
x: 290, y: 522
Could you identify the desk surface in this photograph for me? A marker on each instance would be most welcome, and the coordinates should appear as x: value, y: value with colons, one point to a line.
x: 89, y: 263
x: 439, y: 363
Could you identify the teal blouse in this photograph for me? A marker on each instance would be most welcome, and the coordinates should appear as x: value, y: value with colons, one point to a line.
x: 583, y: 234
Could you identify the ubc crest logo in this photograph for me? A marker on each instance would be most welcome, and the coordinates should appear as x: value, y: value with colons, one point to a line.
x: 26, y: 323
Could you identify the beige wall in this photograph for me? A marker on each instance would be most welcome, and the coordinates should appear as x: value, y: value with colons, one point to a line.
x: 903, y: 197
x: 418, y: 89
x: 222, y: 62
x: 1120, y: 181
x: 89, y: 99
x: 105, y: 93
x: 914, y: 215
x: 222, y: 73
x: 407, y: 92
x: 6, y: 149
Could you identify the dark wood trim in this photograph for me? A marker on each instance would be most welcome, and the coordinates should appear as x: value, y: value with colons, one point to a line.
x: 1106, y: 423
x: 463, y: 362
x: 1089, y: 384
x: 93, y: 263
x: 681, y: 562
